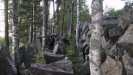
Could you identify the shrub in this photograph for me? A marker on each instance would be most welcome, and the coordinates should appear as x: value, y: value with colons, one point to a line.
x: 39, y: 57
x: 72, y: 53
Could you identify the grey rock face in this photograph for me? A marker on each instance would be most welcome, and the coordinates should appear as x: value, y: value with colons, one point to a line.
x: 118, y: 37
x: 84, y: 41
x: 63, y: 67
x: 86, y: 70
x: 113, y: 67
x: 115, y: 51
x: 126, y: 18
x: 50, y: 57
x: 22, y: 54
x: 30, y: 52
x: 115, y: 32
x: 6, y: 64
x: 128, y: 63
x: 126, y: 40
x: 62, y: 42
x: 110, y: 22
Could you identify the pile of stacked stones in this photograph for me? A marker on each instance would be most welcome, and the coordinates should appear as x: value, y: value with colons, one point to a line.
x: 117, y: 44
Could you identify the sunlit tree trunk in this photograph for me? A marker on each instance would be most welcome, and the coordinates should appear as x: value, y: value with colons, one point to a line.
x: 78, y: 22
x: 95, y: 40
x: 6, y: 25
x: 45, y: 23
x: 15, y: 32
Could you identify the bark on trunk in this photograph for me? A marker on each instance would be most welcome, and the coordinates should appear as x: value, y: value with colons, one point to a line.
x: 6, y: 25
x: 45, y: 23
x: 32, y: 24
x: 53, y: 17
x: 95, y: 40
x: 63, y: 17
x: 78, y: 22
x: 57, y: 18
x: 72, y: 14
x: 15, y: 31
x: 70, y: 18
x: 48, y: 32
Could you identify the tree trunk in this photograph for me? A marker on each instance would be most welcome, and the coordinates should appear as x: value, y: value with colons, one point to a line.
x: 32, y: 24
x: 6, y: 25
x: 33, y: 21
x: 53, y: 17
x: 57, y: 17
x: 15, y: 32
x: 95, y: 40
x: 70, y: 18
x: 34, y: 33
x: 63, y: 17
x: 48, y: 32
x: 78, y: 23
x: 45, y: 23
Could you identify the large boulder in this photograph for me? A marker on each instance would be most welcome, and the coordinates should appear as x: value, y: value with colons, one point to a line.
x: 111, y: 29
x: 110, y: 22
x: 113, y: 67
x: 83, y: 47
x: 115, y: 32
x: 63, y: 67
x: 30, y: 52
x: 50, y: 57
x: 128, y: 63
x: 115, y: 51
x: 86, y: 68
x: 126, y: 18
x: 126, y: 40
x: 7, y: 66
x: 22, y: 54
x: 60, y: 45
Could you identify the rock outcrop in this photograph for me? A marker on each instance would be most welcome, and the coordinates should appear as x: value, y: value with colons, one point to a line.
x: 50, y: 57
x: 7, y: 66
x: 113, y: 67
x: 62, y: 67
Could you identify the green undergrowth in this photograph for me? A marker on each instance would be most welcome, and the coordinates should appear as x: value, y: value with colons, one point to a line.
x: 39, y: 58
x: 72, y: 53
x: 1, y: 40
